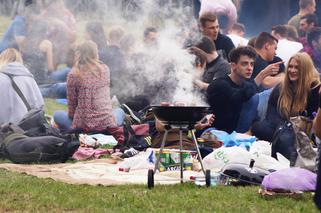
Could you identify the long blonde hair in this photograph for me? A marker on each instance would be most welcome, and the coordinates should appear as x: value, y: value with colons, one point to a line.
x: 294, y: 96
x: 10, y: 55
x: 87, y: 59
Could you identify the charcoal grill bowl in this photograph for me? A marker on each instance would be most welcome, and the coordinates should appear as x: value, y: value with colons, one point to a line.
x: 180, y: 115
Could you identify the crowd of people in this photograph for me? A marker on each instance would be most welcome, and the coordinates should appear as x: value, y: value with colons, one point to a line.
x: 250, y: 85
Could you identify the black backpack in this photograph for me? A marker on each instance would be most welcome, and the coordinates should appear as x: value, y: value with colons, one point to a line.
x: 284, y: 142
x: 20, y: 148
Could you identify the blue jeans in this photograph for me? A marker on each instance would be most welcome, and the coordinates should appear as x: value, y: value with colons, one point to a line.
x: 57, y: 90
x: 253, y: 109
x: 60, y: 75
x: 64, y: 122
x: 248, y: 114
x: 263, y: 103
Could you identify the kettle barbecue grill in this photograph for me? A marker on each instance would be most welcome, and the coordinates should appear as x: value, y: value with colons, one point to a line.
x: 182, y: 118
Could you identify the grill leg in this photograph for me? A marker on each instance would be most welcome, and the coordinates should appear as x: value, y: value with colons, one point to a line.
x: 198, y: 151
x: 160, y: 151
x: 180, y: 152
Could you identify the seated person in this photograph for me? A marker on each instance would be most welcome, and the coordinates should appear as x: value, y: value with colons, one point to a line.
x: 62, y: 30
x: 215, y: 65
x: 226, y: 95
x: 15, y: 35
x: 298, y: 94
x: 12, y: 107
x: 37, y: 52
x: 88, y: 86
x: 266, y: 46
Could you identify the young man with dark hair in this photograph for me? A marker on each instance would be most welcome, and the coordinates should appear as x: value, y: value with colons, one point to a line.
x: 214, y: 65
x: 265, y: 46
x: 306, y: 7
x: 307, y: 22
x: 226, y: 95
x: 211, y: 28
x: 150, y: 36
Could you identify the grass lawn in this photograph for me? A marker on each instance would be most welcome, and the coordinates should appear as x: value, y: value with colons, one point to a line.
x: 23, y: 193
x: 29, y: 194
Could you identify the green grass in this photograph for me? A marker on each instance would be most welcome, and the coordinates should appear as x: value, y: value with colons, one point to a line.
x: 29, y: 194
x: 51, y: 106
x: 23, y: 193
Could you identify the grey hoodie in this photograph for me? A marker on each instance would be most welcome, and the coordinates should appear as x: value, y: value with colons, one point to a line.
x: 12, y: 108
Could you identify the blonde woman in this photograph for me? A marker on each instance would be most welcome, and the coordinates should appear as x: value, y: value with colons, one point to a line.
x: 12, y: 107
x: 298, y: 94
x: 88, y: 94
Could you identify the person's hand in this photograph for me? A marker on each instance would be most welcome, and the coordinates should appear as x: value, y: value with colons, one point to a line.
x: 207, y: 121
x: 272, y: 69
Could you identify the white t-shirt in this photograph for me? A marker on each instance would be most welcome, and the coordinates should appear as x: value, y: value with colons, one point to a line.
x: 238, y: 40
x: 286, y: 49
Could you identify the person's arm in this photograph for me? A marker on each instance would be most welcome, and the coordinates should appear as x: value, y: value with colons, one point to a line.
x: 72, y: 94
x: 272, y: 81
x: 46, y: 47
x: 201, y: 84
x: 219, y: 90
x: 269, y: 71
x: 199, y: 72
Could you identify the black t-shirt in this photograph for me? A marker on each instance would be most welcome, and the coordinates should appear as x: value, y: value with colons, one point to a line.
x: 226, y: 99
x: 224, y: 45
x: 261, y: 64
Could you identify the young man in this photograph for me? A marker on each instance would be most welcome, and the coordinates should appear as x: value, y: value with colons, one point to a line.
x: 211, y: 28
x: 266, y: 46
x: 306, y: 7
x: 226, y: 95
x: 285, y: 48
x: 214, y: 65
x: 236, y: 34
x: 307, y: 22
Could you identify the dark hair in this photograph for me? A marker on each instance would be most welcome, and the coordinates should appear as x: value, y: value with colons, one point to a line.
x: 281, y: 30
x: 236, y: 53
x: 97, y: 34
x: 205, y: 17
x: 311, y: 18
x: 314, y: 34
x: 238, y: 27
x: 206, y: 44
x: 251, y: 42
x: 303, y: 4
x: 148, y: 30
x: 264, y: 38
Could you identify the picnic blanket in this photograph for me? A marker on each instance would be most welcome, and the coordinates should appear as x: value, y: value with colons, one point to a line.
x: 94, y: 172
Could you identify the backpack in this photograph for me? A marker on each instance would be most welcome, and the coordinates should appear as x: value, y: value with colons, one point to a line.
x: 35, y: 123
x: 20, y: 148
x: 292, y: 140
